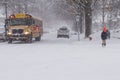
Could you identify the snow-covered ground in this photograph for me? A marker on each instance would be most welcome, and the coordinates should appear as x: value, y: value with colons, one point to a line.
x: 61, y: 59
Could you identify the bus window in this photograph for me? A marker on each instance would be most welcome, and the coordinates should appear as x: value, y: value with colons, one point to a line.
x: 33, y: 21
x: 29, y: 22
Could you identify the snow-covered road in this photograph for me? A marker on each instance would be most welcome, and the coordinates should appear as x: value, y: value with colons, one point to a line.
x: 60, y: 59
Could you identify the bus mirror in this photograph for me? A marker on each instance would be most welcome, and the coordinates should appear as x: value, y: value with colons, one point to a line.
x: 7, y: 21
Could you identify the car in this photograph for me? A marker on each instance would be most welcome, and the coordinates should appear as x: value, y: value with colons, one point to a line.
x: 63, y: 32
x: 2, y: 33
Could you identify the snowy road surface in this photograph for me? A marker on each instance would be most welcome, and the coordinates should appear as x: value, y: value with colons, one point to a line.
x: 60, y: 59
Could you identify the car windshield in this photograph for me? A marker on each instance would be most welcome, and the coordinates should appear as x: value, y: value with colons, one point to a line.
x: 63, y: 28
x: 19, y: 21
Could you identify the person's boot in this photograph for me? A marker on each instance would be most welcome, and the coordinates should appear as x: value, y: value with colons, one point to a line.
x: 104, y: 44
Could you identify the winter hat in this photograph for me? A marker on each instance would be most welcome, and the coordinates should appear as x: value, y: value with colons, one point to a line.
x: 104, y: 29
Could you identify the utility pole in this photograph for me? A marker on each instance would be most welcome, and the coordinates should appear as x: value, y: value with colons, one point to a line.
x: 77, y: 21
x: 5, y: 5
x: 6, y: 13
x: 110, y: 13
x: 6, y: 8
x: 103, y: 23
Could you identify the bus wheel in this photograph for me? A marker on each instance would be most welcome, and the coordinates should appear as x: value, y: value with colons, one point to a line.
x: 38, y: 38
x: 29, y: 39
x: 9, y: 41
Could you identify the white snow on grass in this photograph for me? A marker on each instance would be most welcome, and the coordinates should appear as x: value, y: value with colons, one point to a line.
x: 61, y: 59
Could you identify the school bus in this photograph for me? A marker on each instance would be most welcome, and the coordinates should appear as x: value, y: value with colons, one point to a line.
x: 23, y: 27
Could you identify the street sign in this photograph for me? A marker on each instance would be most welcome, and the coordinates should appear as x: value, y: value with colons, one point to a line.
x: 77, y: 24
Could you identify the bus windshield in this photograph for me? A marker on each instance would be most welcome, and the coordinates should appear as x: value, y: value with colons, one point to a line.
x: 19, y: 21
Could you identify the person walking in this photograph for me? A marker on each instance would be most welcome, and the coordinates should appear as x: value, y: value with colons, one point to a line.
x: 108, y: 34
x: 104, y: 36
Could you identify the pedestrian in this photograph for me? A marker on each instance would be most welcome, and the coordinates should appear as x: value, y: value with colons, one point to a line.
x: 108, y: 34
x: 104, y: 36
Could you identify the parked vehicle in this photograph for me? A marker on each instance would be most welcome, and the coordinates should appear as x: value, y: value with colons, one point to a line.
x: 63, y: 32
x: 2, y: 33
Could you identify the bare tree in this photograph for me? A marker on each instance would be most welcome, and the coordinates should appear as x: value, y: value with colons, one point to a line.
x: 86, y: 6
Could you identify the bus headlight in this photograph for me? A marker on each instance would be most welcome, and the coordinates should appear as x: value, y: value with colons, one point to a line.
x: 9, y: 33
x: 26, y: 33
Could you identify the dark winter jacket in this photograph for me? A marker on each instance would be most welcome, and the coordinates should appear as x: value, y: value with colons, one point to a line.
x: 108, y: 34
x: 103, y: 35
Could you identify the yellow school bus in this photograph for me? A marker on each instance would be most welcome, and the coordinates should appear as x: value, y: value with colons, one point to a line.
x: 23, y: 27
